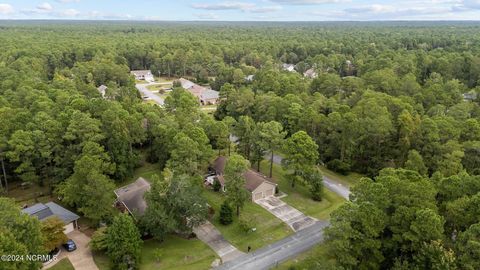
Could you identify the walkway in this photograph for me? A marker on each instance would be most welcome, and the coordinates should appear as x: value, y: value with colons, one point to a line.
x: 278, y: 252
x: 291, y: 216
x: 208, y: 234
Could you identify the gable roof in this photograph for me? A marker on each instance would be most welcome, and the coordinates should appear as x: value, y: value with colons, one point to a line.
x: 186, y: 84
x: 140, y: 72
x: 50, y: 209
x: 209, y: 94
x: 253, y: 179
x: 132, y: 195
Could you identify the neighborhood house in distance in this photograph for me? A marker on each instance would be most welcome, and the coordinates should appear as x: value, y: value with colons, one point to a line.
x: 143, y: 75
x: 206, y: 96
x: 51, y: 209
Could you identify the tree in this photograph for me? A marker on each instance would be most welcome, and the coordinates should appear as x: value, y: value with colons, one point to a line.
x: 468, y: 248
x: 52, y: 231
x: 226, y: 213
x: 89, y: 188
x: 314, y: 179
x: 271, y: 136
x: 415, y: 163
x: 99, y: 240
x: 245, y: 131
x: 124, y: 243
x: 19, y: 234
x: 235, y: 168
x: 300, y: 155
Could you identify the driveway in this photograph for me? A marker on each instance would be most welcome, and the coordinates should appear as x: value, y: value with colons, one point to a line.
x: 208, y: 234
x: 291, y: 216
x: 329, y: 183
x: 142, y: 87
x: 81, y: 258
x: 272, y: 255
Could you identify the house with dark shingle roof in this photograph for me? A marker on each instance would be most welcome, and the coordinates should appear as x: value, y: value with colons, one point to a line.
x: 256, y: 183
x: 131, y: 196
x: 51, y: 209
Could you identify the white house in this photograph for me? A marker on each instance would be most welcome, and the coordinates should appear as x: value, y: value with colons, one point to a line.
x: 311, y: 73
x: 102, y: 90
x: 288, y: 67
x: 143, y: 75
x: 51, y: 209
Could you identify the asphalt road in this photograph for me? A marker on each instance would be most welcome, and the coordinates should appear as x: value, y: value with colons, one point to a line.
x: 329, y: 183
x: 278, y: 252
x: 142, y: 87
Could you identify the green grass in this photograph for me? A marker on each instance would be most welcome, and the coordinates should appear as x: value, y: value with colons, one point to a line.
x: 147, y: 170
x: 312, y: 259
x: 349, y: 180
x: 176, y: 254
x: 299, y: 197
x: 269, y: 229
x: 63, y: 264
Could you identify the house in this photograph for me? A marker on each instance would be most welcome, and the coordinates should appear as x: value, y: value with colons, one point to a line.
x: 288, y: 67
x: 249, y: 78
x: 204, y: 95
x: 470, y: 96
x: 51, y: 209
x: 143, y: 75
x: 257, y: 184
x: 310, y: 73
x: 102, y: 90
x: 131, y: 197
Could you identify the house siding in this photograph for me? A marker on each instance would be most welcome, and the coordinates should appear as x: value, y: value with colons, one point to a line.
x: 264, y: 190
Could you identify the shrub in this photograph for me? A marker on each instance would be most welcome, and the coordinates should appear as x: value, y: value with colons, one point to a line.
x: 338, y: 166
x: 216, y: 185
x: 226, y: 213
x: 246, y: 224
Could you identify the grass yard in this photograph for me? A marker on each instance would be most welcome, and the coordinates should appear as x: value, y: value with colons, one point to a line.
x: 147, y: 170
x: 269, y: 229
x: 63, y: 264
x: 175, y: 254
x: 349, y: 180
x: 315, y: 258
x: 299, y: 197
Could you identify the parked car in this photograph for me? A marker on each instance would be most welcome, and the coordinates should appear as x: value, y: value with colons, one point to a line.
x: 70, y: 245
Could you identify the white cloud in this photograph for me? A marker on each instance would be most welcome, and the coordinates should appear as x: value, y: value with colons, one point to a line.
x: 68, y: 1
x: 307, y: 2
x: 225, y: 6
x: 207, y: 16
x: 6, y: 9
x: 45, y: 6
x: 69, y: 13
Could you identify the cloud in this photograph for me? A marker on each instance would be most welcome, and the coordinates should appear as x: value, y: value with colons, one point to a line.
x: 69, y: 13
x: 68, y: 1
x: 45, y: 6
x: 307, y: 2
x: 207, y: 16
x: 6, y: 9
x: 239, y: 6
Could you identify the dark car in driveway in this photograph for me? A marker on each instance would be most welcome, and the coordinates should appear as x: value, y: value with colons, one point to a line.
x: 70, y: 245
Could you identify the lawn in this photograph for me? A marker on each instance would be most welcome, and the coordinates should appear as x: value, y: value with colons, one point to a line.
x: 269, y: 229
x: 315, y: 258
x: 175, y: 254
x: 299, y: 197
x: 349, y: 180
x: 63, y: 264
x: 147, y: 170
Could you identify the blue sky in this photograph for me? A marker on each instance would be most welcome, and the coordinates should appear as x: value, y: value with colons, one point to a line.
x: 242, y: 10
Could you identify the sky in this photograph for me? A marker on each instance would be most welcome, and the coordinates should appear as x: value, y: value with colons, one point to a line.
x: 242, y: 10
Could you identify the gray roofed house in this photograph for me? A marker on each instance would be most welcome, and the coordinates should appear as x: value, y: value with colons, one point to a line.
x: 470, y: 96
x: 143, y: 75
x: 205, y: 95
x: 51, y: 209
x: 132, y: 196
x: 102, y: 90
x: 310, y: 73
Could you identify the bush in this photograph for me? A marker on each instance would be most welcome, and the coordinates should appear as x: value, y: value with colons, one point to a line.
x: 339, y: 166
x: 226, y: 214
x: 216, y: 185
x: 99, y: 240
x: 246, y: 224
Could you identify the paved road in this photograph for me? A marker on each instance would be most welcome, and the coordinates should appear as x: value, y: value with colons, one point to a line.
x: 329, y: 183
x: 274, y: 254
x: 142, y: 87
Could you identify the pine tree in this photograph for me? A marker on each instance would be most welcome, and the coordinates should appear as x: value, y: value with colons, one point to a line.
x: 226, y: 213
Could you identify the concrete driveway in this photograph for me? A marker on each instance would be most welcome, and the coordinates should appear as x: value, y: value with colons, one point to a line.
x: 142, y: 87
x: 208, y: 234
x: 81, y: 258
x: 291, y: 216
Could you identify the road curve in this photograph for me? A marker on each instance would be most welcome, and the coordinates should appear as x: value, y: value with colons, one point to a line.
x: 278, y: 252
x: 142, y: 87
x: 329, y: 183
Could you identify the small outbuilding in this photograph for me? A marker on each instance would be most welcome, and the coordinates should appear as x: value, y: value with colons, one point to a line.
x: 51, y: 209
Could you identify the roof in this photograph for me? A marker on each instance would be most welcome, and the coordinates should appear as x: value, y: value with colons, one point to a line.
x: 210, y: 94
x: 132, y: 195
x: 102, y: 88
x: 309, y: 73
x: 140, y: 72
x: 186, y: 84
x: 50, y: 209
x: 252, y: 179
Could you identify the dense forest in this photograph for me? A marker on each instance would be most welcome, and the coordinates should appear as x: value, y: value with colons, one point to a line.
x: 398, y: 102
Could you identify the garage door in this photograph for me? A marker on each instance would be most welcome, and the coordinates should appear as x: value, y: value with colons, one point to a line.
x: 68, y: 228
x: 257, y: 196
x: 268, y: 192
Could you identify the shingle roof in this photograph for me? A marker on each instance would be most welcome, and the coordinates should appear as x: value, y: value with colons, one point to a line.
x: 140, y: 72
x: 44, y: 211
x: 186, y: 84
x: 132, y: 195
